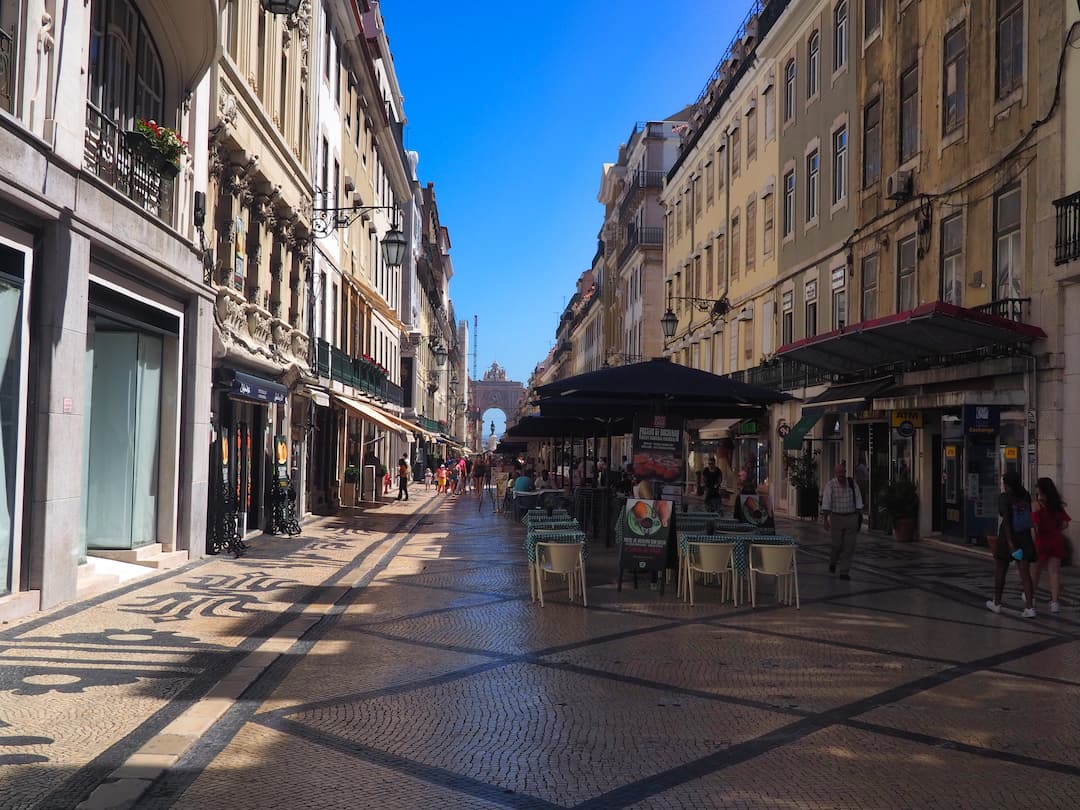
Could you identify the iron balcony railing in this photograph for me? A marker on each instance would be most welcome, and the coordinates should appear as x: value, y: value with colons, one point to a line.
x: 1067, y: 216
x: 7, y: 71
x: 147, y: 181
x: 782, y: 374
x: 639, y: 181
x: 363, y: 375
x: 431, y: 425
x: 1010, y: 308
x: 649, y: 237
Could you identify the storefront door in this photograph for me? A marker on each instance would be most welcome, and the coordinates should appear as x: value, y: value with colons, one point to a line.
x: 871, y: 458
x: 11, y: 404
x: 952, y: 487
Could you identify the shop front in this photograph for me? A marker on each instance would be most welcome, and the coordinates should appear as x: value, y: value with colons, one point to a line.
x: 130, y: 423
x: 249, y: 413
x: 752, y: 453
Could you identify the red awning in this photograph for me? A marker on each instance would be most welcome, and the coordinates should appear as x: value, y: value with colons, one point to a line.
x: 931, y: 330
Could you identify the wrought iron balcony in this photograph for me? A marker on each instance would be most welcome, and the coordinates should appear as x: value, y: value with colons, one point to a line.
x: 648, y: 237
x: 782, y: 374
x: 148, y: 182
x: 361, y: 373
x: 7, y: 71
x: 1067, y: 228
x: 1009, y: 308
x: 638, y: 182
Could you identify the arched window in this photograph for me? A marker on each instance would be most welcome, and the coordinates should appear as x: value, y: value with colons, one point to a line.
x: 789, y: 90
x: 813, y: 59
x: 126, y: 78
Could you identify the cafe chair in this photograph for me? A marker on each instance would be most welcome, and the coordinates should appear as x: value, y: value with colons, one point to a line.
x: 778, y: 562
x: 561, y: 558
x: 711, y: 558
x: 500, y: 495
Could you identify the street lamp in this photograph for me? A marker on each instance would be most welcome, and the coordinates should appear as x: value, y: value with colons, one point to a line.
x: 439, y: 350
x: 669, y: 323
x: 325, y: 220
x: 281, y: 6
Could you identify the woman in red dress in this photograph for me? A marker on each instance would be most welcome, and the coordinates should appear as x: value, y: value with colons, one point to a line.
x: 1050, y: 520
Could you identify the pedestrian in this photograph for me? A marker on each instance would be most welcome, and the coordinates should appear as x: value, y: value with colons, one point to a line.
x: 479, y: 472
x: 1051, y: 520
x: 711, y: 478
x: 403, y: 479
x: 386, y: 482
x: 841, y: 507
x: 1014, y: 542
x: 454, y: 475
x: 427, y: 479
x: 463, y: 475
x: 440, y: 486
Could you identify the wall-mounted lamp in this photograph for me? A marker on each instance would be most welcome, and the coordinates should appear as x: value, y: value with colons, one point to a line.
x: 326, y: 220
x: 669, y: 323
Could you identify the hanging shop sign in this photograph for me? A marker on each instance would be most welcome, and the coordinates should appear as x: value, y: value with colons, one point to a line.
x: 981, y: 420
x: 281, y: 460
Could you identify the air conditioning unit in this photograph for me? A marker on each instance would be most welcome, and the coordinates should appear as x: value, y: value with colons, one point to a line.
x: 898, y: 185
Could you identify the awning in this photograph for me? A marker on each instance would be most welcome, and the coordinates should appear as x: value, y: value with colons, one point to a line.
x: 250, y: 388
x: 372, y: 414
x: 847, y: 398
x: 716, y: 429
x: 931, y: 330
x: 405, y: 424
x: 794, y: 439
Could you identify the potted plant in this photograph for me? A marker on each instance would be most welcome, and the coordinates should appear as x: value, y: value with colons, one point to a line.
x: 899, y: 502
x: 802, y: 472
x: 162, y: 145
x: 348, y: 489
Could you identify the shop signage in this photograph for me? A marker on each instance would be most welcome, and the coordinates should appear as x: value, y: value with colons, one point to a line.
x: 1012, y: 453
x: 981, y: 420
x: 281, y: 460
x: 950, y: 451
x: 256, y: 389
x: 658, y: 448
x: 645, y: 530
x: 913, y: 417
x: 749, y: 427
x: 783, y: 429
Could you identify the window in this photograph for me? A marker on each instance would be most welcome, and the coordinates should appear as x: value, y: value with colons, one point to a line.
x: 326, y: 43
x: 839, y: 165
x: 839, y: 35
x: 751, y: 234
x: 768, y: 218
x: 721, y: 167
x: 710, y: 170
x: 283, y: 87
x: 751, y: 134
x: 1008, y: 265
x: 337, y: 72
x: 261, y: 56
x: 126, y: 76
x: 229, y: 27
x: 837, y: 285
x: 1010, y: 46
x: 871, y: 18
x: 708, y: 270
x: 813, y: 59
x: 952, y: 259
x: 734, y: 247
x: 869, y: 287
x: 909, y: 113
x: 696, y: 183
x: 748, y: 338
x: 872, y: 143
x: 787, y: 321
x: 678, y: 219
x: 811, y: 308
x: 768, y: 102
x: 905, y: 274
x: 812, y: 166
x: 789, y: 90
x: 734, y: 138
x: 954, y: 84
x: 719, y: 259
x: 324, y: 175
x: 789, y: 204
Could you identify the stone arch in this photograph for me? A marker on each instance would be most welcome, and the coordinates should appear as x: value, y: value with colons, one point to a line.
x: 493, y: 391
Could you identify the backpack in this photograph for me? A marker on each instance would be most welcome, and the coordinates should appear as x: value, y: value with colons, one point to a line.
x: 1021, y: 516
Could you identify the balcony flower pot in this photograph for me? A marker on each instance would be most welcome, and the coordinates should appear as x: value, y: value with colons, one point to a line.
x: 162, y: 147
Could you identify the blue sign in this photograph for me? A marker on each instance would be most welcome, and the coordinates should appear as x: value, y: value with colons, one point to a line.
x: 982, y: 420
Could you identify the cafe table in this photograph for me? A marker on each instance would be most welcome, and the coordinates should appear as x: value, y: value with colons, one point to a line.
x: 550, y: 535
x: 740, y: 557
x: 536, y: 517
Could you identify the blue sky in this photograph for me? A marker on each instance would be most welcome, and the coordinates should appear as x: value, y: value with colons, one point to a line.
x: 514, y: 109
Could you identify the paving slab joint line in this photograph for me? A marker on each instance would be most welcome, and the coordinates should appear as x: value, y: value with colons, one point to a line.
x: 123, y: 788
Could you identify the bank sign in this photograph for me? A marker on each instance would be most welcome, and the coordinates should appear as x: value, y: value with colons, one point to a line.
x: 907, y: 422
x: 982, y: 420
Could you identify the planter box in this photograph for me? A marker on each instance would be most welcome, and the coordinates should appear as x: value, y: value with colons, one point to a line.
x: 141, y: 145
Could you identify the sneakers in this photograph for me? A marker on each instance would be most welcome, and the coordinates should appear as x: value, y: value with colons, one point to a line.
x: 1055, y: 607
x: 993, y: 606
x: 1028, y: 613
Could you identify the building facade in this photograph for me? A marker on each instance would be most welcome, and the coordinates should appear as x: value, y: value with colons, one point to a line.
x: 106, y: 318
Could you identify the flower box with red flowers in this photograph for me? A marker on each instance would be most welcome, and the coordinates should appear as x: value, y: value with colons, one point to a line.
x: 161, y: 145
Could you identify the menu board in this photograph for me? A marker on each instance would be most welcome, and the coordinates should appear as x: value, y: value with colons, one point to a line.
x: 756, y: 510
x: 658, y: 454
x: 645, y: 528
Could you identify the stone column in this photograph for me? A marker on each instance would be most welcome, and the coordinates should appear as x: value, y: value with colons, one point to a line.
x: 195, y: 427
x: 57, y: 406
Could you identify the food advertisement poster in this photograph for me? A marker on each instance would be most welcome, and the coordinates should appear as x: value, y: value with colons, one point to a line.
x: 658, y: 445
x: 646, y: 527
x: 756, y: 510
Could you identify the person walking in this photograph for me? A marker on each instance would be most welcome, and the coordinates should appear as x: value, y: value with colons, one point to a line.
x: 440, y: 487
x: 1051, y: 520
x: 1014, y: 542
x: 403, y: 479
x: 711, y: 479
x: 841, y: 508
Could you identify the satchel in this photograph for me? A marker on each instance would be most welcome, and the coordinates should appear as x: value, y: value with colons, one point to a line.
x: 1021, y: 517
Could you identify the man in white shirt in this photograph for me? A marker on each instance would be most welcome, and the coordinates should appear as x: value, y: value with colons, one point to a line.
x: 841, y: 507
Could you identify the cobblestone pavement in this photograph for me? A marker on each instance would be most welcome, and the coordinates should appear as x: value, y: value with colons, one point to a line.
x: 395, y: 659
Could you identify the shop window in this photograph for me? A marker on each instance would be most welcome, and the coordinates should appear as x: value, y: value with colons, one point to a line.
x: 12, y: 319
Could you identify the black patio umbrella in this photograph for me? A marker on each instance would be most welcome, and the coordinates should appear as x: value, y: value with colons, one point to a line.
x: 621, y: 410
x: 658, y: 381
x: 568, y: 424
